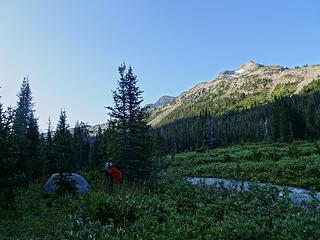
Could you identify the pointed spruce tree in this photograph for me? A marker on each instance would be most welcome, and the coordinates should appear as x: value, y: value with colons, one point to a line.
x: 49, y: 150
x: 128, y: 119
x: 81, y: 146
x: 97, y: 154
x: 26, y: 132
x: 9, y: 179
x: 62, y: 145
x: 63, y: 155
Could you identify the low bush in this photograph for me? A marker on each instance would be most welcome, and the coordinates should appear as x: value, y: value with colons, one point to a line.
x: 168, y: 208
x: 293, y: 164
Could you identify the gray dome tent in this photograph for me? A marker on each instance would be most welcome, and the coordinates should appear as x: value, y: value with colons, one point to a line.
x: 82, y: 185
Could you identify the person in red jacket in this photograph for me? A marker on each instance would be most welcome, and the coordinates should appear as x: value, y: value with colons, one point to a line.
x: 116, y: 175
x: 112, y: 176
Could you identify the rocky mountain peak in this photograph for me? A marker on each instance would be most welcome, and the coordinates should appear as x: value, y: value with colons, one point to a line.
x: 162, y: 101
x: 248, y: 66
x: 165, y: 99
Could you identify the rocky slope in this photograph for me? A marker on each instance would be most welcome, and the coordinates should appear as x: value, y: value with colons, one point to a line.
x: 161, y: 102
x: 250, y: 85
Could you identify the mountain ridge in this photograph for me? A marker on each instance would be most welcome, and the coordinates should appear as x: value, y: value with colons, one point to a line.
x: 239, y: 89
x: 161, y: 101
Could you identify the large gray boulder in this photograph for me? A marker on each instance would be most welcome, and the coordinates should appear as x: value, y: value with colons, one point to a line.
x: 82, y: 185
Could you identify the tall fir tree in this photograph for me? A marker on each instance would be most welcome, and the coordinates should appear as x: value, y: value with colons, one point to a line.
x: 33, y: 148
x: 97, y: 154
x: 275, y: 122
x: 46, y: 152
x: 81, y: 146
x: 9, y: 177
x: 62, y: 145
x: 128, y: 119
x: 210, y: 133
x: 6, y: 133
x: 26, y: 132
x: 43, y: 155
x: 158, y: 144
x: 49, y: 150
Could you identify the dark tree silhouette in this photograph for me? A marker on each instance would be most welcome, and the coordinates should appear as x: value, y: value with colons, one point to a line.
x: 128, y: 119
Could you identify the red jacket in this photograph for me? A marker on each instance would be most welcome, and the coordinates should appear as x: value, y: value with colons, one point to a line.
x: 116, y: 174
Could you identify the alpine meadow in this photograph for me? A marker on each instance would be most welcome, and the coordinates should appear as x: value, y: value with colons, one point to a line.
x: 210, y: 128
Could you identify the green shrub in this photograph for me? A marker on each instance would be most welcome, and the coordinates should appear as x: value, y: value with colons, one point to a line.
x: 293, y: 150
x: 74, y: 228
x: 280, y: 163
x: 170, y: 208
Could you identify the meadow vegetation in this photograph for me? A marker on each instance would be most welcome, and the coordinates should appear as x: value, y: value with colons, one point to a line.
x: 167, y: 207
x: 291, y: 164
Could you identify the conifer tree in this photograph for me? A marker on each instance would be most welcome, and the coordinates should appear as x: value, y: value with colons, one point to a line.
x: 9, y: 178
x: 6, y: 138
x: 97, y: 154
x: 33, y: 148
x: 43, y: 156
x: 286, y: 126
x: 210, y: 135
x: 112, y: 144
x: 63, y: 155
x: 62, y: 145
x: 49, y: 150
x: 26, y: 132
x: 80, y: 146
x: 275, y: 121
x: 129, y: 123
x: 158, y: 144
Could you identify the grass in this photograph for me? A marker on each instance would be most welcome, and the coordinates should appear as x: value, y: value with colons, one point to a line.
x: 31, y: 218
x: 167, y: 207
x: 295, y: 164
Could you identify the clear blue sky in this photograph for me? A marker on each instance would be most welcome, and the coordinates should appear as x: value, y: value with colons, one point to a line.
x: 71, y: 49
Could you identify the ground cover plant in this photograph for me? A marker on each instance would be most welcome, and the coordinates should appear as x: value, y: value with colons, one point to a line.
x: 291, y: 164
x: 166, y: 208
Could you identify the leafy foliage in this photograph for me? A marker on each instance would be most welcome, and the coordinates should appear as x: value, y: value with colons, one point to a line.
x: 169, y: 208
x: 294, y: 164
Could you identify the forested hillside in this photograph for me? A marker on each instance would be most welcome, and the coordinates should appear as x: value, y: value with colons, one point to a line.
x: 285, y: 119
x: 244, y: 88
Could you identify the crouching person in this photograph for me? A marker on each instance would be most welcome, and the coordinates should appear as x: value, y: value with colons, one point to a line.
x: 112, y: 176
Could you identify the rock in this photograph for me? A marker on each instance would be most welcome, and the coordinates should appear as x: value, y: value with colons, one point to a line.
x: 161, y: 102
